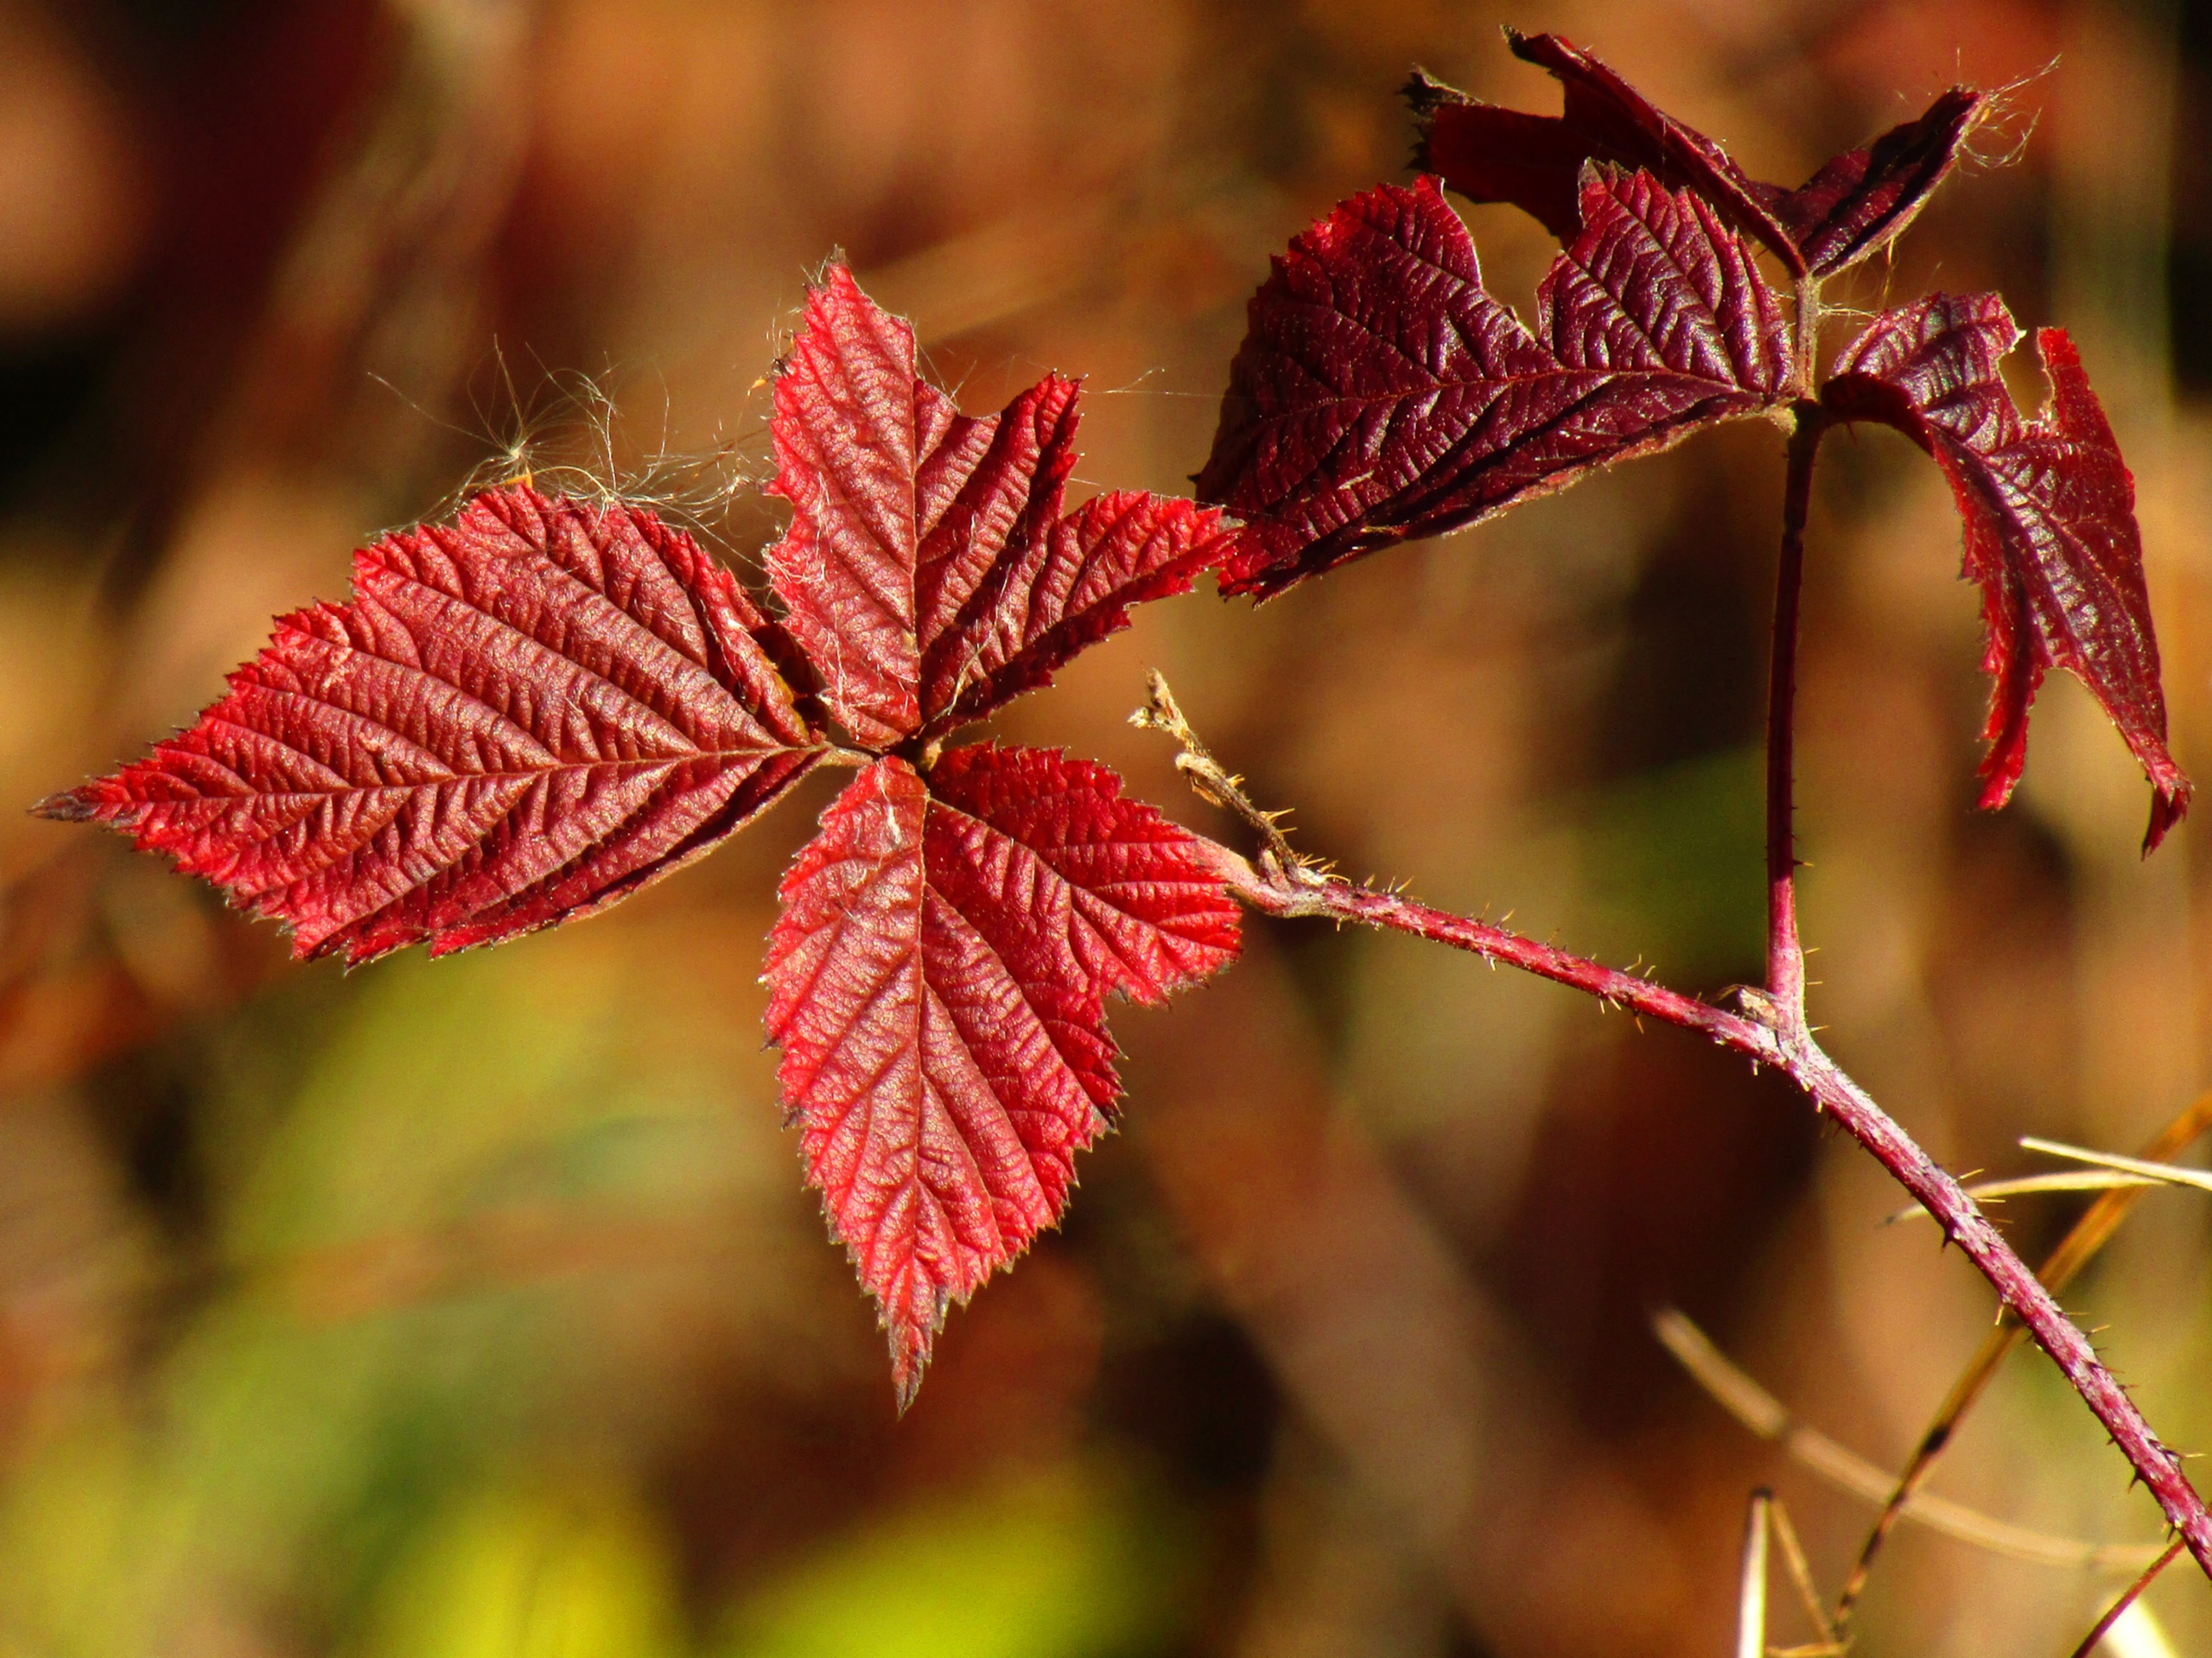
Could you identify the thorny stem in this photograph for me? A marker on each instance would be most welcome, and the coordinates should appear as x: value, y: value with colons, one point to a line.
x: 1280, y: 883
x: 2074, y: 1251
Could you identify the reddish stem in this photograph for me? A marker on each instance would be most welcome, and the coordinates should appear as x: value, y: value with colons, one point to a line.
x: 1280, y: 888
x: 1785, y: 956
x: 2118, y: 1608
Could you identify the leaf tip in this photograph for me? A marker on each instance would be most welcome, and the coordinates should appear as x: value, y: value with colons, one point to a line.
x: 1424, y: 91
x: 910, y: 1341
x: 833, y: 263
x: 2170, y: 799
x: 78, y: 805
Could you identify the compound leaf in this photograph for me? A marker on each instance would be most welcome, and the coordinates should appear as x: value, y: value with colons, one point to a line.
x: 524, y: 716
x: 519, y: 718
x: 1381, y: 395
x: 938, y: 980
x: 2049, y: 515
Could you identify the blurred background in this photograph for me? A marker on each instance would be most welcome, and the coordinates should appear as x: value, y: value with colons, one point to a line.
x: 476, y: 1308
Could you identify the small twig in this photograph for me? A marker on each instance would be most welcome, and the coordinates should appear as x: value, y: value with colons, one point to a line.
x: 1750, y: 1595
x: 1766, y: 1416
x: 1769, y: 1521
x: 1990, y: 1191
x: 2117, y: 1609
x: 1800, y: 1574
x: 1209, y: 779
x: 2172, y: 1174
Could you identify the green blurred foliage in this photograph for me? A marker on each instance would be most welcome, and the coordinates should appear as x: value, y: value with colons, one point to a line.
x: 1069, y: 1563
x: 571, y: 1573
x: 1675, y: 858
x: 351, y: 1375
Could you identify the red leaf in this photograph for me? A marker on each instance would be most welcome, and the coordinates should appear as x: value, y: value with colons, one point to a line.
x: 1068, y: 588
x: 1488, y: 153
x: 937, y: 983
x: 1381, y: 395
x: 1848, y: 209
x: 518, y: 719
x: 927, y: 572
x: 2049, y: 513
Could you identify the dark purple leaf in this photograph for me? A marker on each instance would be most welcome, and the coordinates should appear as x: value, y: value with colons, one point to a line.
x: 2049, y: 514
x: 1381, y: 395
x: 1851, y: 207
x: 1535, y: 161
x: 1862, y: 199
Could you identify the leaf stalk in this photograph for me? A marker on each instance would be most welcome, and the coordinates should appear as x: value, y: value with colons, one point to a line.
x: 1785, y: 954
